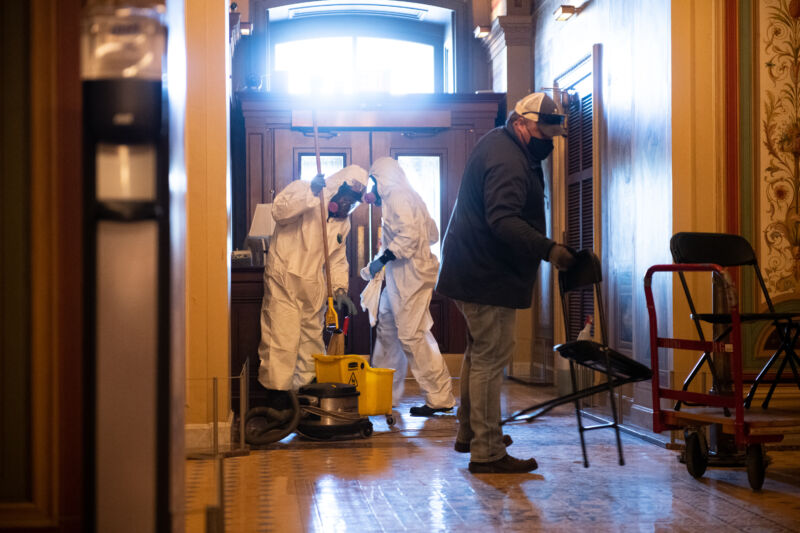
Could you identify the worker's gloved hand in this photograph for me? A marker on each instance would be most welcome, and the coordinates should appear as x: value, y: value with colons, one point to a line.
x: 375, y: 267
x: 344, y: 302
x: 317, y: 184
x: 561, y: 257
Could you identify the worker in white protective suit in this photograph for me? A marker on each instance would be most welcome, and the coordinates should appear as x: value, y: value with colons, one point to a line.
x: 295, y: 292
x: 404, y: 319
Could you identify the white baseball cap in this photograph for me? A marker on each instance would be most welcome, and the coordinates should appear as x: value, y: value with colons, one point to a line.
x: 541, y: 109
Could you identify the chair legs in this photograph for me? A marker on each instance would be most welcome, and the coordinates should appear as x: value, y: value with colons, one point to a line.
x: 614, y: 412
x: 609, y: 385
x: 578, y: 413
x: 789, y: 337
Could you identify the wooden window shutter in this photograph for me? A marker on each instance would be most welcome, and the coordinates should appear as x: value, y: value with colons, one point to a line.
x: 580, y: 201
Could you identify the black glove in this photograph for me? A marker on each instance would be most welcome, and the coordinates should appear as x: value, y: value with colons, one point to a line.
x: 561, y: 257
x: 344, y: 302
x: 317, y: 184
x: 376, y: 265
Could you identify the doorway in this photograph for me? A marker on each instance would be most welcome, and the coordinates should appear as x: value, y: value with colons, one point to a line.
x: 430, y: 136
x: 424, y: 154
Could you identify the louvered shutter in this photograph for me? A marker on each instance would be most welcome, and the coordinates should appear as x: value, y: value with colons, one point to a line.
x: 580, y: 215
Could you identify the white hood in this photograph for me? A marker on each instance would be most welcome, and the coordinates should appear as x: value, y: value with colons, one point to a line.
x: 389, y: 176
x: 351, y: 175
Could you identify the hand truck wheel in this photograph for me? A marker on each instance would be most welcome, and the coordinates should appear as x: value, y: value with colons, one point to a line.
x: 390, y: 421
x: 696, y: 454
x: 756, y: 465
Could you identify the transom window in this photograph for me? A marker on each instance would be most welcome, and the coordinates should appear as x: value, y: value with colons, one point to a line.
x: 354, y: 64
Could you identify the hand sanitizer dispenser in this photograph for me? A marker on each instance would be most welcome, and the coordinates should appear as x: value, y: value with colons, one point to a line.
x: 127, y: 268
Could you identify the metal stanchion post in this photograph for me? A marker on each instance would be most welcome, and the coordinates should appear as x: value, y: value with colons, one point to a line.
x: 243, y: 396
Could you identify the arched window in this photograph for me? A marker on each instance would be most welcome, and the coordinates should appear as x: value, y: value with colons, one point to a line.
x: 351, y: 48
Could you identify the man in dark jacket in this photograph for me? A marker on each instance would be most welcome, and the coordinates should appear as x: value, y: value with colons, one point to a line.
x: 490, y: 256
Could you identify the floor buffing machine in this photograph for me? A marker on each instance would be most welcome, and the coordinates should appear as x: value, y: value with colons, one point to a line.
x: 319, y: 411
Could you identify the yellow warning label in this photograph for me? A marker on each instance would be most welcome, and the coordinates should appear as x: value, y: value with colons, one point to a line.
x: 353, y: 380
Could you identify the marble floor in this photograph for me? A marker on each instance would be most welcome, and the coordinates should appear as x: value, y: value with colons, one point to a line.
x: 409, y: 478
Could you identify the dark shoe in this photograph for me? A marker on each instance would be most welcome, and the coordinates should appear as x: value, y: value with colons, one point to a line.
x: 424, y: 410
x: 279, y: 399
x: 463, y: 447
x: 505, y: 465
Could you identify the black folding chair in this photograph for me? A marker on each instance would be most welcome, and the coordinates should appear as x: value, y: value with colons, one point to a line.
x: 618, y: 368
x: 728, y: 250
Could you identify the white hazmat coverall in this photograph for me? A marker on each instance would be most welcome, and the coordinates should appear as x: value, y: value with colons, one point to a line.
x: 295, y: 292
x: 404, y: 319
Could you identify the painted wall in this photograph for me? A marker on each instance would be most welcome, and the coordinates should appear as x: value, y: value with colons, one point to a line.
x: 207, y: 208
x: 635, y: 147
x: 698, y: 128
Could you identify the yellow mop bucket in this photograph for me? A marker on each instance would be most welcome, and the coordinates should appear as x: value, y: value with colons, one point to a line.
x: 373, y: 384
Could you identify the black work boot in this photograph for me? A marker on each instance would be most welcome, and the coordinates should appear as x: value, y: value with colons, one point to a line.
x: 504, y: 465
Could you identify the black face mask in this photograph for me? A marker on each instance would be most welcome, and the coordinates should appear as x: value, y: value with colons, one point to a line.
x: 540, y: 148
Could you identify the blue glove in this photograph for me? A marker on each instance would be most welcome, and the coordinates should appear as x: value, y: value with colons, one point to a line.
x: 344, y: 303
x: 317, y: 184
x: 375, y: 267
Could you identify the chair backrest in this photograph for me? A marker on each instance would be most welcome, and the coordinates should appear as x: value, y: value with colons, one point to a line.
x: 585, y: 273
x: 722, y: 249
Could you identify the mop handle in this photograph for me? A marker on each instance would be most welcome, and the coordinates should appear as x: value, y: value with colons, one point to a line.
x: 331, y: 319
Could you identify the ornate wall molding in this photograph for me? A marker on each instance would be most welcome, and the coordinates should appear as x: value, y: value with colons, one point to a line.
x: 509, y: 31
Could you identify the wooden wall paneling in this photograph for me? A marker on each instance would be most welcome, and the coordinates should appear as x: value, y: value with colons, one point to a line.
x: 257, y: 146
x: 55, y: 498
x: 15, y: 254
x: 247, y: 291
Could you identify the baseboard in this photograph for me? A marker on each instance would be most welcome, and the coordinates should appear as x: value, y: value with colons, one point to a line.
x: 199, y: 437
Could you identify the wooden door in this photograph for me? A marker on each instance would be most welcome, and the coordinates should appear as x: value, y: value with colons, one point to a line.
x: 294, y: 151
x: 428, y: 161
x: 431, y: 152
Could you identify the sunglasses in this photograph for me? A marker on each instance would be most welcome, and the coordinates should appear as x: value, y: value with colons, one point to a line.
x: 547, y: 118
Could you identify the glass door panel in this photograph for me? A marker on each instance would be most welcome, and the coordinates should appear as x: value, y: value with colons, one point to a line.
x: 425, y: 174
x: 329, y: 163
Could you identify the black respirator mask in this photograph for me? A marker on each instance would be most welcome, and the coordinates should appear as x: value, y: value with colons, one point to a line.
x: 540, y: 148
x: 345, y: 200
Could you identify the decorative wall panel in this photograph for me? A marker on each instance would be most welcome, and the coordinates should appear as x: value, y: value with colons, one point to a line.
x: 778, y: 138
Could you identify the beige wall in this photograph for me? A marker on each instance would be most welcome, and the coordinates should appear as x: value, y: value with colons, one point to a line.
x: 207, y: 207
x: 698, y: 145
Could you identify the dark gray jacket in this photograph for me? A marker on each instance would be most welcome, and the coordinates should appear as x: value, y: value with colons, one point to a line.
x: 496, y: 235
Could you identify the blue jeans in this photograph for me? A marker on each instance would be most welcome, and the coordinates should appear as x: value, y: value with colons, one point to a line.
x: 490, y: 344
